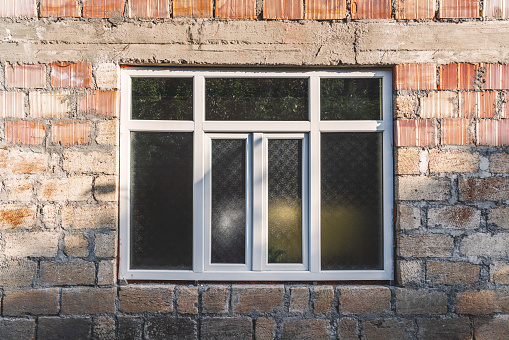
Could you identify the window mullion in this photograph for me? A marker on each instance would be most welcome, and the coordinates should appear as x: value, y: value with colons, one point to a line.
x: 314, y: 175
x: 258, y: 190
x: 198, y: 168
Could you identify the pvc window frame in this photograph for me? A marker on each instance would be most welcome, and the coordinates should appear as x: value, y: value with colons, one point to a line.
x: 258, y: 269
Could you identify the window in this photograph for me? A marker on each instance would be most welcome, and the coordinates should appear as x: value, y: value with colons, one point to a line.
x: 256, y: 175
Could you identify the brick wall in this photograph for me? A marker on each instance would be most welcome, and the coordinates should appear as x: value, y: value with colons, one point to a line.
x: 59, y: 109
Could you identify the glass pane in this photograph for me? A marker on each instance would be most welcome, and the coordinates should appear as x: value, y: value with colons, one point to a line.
x: 161, y: 200
x: 351, y: 201
x: 228, y: 201
x: 162, y: 98
x: 285, y: 200
x: 256, y: 99
x: 353, y: 99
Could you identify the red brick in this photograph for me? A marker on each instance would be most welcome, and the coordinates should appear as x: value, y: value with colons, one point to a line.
x: 12, y: 104
x: 70, y: 133
x: 415, y: 9
x: 71, y: 74
x: 54, y: 104
x: 493, y: 132
x: 150, y: 8
x: 459, y: 9
x: 496, y: 9
x: 283, y: 9
x: 104, y: 103
x: 235, y: 9
x: 505, y: 113
x: 415, y: 77
x: 456, y: 132
x: 88, y: 300
x: 440, y: 104
x: 25, y: 76
x: 457, y: 77
x: 102, y: 8
x: 18, y: 8
x: 60, y: 8
x: 325, y: 10
x: 496, y: 76
x: 418, y: 132
x: 24, y: 132
x: 478, y: 104
x: 371, y: 9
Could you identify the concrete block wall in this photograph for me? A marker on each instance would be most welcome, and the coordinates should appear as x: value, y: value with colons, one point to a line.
x: 59, y: 111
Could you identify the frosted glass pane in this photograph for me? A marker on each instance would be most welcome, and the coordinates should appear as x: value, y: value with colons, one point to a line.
x: 228, y: 201
x: 351, y: 201
x: 161, y: 200
x: 285, y: 200
x: 162, y: 98
x: 350, y: 98
x: 256, y: 98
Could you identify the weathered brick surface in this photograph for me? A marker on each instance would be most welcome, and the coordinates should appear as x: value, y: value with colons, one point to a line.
x: 323, y: 297
x: 227, y: 328
x: 416, y: 188
x: 305, y: 329
x: 415, y: 132
x: 499, y: 162
x: 76, y: 161
x: 406, y: 161
x: 166, y: 327
x: 24, y: 132
x: 187, y: 301
x: 107, y: 273
x: 12, y: 104
x: 448, y: 328
x: 23, y: 162
x: 441, y: 104
x: 15, y: 273
x: 88, y: 300
x: 105, y: 245
x: 53, y: 104
x: 475, y: 302
x: 89, y: 216
x: 76, y: 188
x: 499, y: 272
x: 299, y: 299
x: 457, y: 217
x: 265, y: 328
x: 106, y: 75
x: 425, y: 245
x: 492, y: 328
x: 415, y: 77
x: 64, y: 328
x: 17, y: 216
x: 34, y: 244
x: 71, y: 74
x: 419, y: 301
x: 30, y: 302
x: 263, y: 298
x: 409, y: 217
x: 146, y: 298
x: 388, y: 329
x: 491, y: 188
x: 410, y: 272
x: 77, y: 272
x: 105, y: 188
x: 456, y: 132
x: 20, y: 189
x: 348, y: 329
x: 25, y: 76
x: 364, y: 299
x: 485, y: 244
x: 103, y: 328
x: 453, y: 161
x: 215, y: 299
x: 129, y: 327
x: 19, y: 329
x: 76, y: 245
x: 405, y: 106
x: 105, y: 103
x: 107, y: 132
x: 452, y: 273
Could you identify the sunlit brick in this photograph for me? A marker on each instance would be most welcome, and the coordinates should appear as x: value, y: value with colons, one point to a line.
x: 24, y: 132
x: 25, y: 76
x: 459, y: 9
x: 496, y: 76
x: 415, y: 77
x: 48, y: 104
x: 102, y: 8
x: 493, y: 132
x: 149, y: 8
x: 18, y: 8
x: 371, y: 9
x: 60, y: 8
x: 105, y: 103
x: 12, y: 104
x: 417, y: 132
x: 456, y: 132
x: 496, y: 9
x: 71, y: 74
x: 283, y: 9
x: 457, y: 77
x: 415, y: 9
x: 70, y: 133
x: 235, y: 9
x: 478, y: 104
x: 325, y: 9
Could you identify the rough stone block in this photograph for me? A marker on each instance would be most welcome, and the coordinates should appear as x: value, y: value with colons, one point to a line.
x: 106, y: 188
x: 67, y: 273
x: 129, y: 327
x: 30, y: 302
x: 299, y: 299
x: 26, y: 162
x: 492, y: 328
x: 263, y: 298
x: 499, y: 272
x: 88, y: 300
x: 64, y: 328
x: 50, y: 216
x: 452, y: 273
x: 17, y: 329
x: 441, y: 161
x: 17, y: 216
x: 364, y: 299
x: 448, y: 328
x: 407, y: 161
x: 76, y: 188
x: 419, y: 188
x: 425, y: 245
x: 264, y: 329
x: 215, y: 299
x: 94, y: 162
x: 410, y: 272
x: 388, y: 329
x: 305, y: 329
x: 146, y: 298
x: 405, y: 106
x: 499, y: 162
x: 348, y: 329
x: 31, y: 244
x: 106, y: 75
x: 107, y: 273
x: 187, y: 302
x: 20, y: 189
x: 105, y: 245
x: 89, y: 216
x: 475, y: 302
x: 16, y: 273
x: 484, y: 189
x: 458, y: 217
x: 76, y: 245
x: 323, y: 297
x: 103, y: 328
x: 408, y: 217
x: 500, y: 217
x: 227, y: 328
x: 420, y: 301
x: 166, y: 327
x: 107, y: 132
x: 485, y: 244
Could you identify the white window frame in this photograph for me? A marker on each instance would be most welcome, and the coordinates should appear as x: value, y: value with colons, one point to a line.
x: 258, y: 269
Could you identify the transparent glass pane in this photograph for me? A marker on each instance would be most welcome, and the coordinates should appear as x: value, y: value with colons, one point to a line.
x: 161, y: 200
x: 162, y: 98
x: 349, y: 98
x: 228, y: 201
x: 351, y: 201
x: 285, y: 200
x: 256, y: 99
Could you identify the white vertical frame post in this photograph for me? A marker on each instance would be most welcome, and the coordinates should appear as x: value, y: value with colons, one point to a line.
x: 198, y: 173
x: 258, y: 202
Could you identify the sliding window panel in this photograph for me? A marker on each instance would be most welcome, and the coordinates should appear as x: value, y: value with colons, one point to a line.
x: 351, y: 201
x: 161, y: 221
